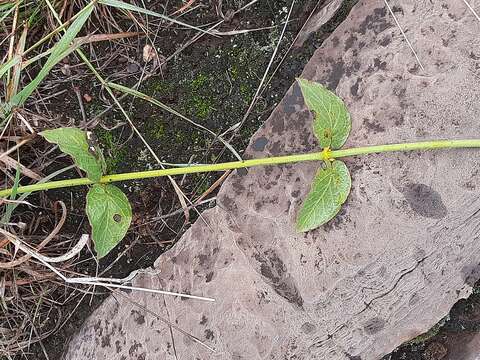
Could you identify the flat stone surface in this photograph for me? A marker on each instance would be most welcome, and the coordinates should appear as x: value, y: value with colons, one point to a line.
x: 402, y: 251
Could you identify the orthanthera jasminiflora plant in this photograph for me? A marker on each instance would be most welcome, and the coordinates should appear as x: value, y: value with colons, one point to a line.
x: 109, y: 211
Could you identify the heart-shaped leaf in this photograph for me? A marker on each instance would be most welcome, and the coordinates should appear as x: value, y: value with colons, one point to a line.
x: 109, y: 214
x: 74, y: 142
x: 330, y: 190
x: 332, y: 122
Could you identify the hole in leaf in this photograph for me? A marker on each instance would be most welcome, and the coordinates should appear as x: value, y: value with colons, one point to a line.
x: 117, y: 218
x: 327, y: 133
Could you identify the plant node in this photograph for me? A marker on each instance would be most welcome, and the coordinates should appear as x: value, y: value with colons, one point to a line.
x: 327, y: 154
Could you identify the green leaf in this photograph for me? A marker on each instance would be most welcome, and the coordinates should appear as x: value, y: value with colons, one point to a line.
x: 74, y: 142
x: 109, y: 214
x: 332, y: 122
x: 330, y: 190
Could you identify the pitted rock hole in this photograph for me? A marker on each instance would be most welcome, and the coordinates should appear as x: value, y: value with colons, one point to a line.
x: 275, y: 272
x: 471, y: 274
x: 425, y: 201
x: 308, y: 328
x: 374, y: 325
x: 260, y: 143
x: 291, y: 101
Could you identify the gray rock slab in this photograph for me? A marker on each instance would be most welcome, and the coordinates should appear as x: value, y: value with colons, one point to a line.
x: 402, y: 251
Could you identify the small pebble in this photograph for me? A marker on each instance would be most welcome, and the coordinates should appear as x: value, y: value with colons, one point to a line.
x: 133, y: 68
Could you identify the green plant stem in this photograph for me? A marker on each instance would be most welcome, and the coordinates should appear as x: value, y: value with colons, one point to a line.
x: 316, y: 156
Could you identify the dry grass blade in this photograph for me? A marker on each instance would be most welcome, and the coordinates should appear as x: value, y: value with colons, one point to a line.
x: 104, y: 37
x: 183, y: 8
x: 14, y: 29
x: 46, y: 261
x: 80, y: 41
x: 55, y: 231
x: 12, y: 86
x: 129, y: 7
x: 14, y: 164
x: 14, y: 148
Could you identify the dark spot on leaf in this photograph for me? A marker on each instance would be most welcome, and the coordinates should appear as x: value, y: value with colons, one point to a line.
x: 117, y: 218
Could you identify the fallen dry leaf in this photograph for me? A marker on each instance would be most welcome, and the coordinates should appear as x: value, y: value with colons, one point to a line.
x: 149, y: 53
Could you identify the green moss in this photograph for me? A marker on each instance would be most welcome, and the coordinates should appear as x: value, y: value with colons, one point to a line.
x: 234, y: 72
x: 246, y: 91
x: 421, y: 339
x: 199, y: 81
x: 159, y: 87
x: 201, y: 106
x: 115, y: 154
x: 157, y: 130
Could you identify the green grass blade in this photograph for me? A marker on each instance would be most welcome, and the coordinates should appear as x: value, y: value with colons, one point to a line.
x: 5, y: 11
x: 124, y: 6
x: 11, y: 206
x: 61, y: 49
x: 9, y: 64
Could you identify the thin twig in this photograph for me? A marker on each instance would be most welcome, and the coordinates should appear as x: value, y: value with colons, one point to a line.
x: 472, y: 9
